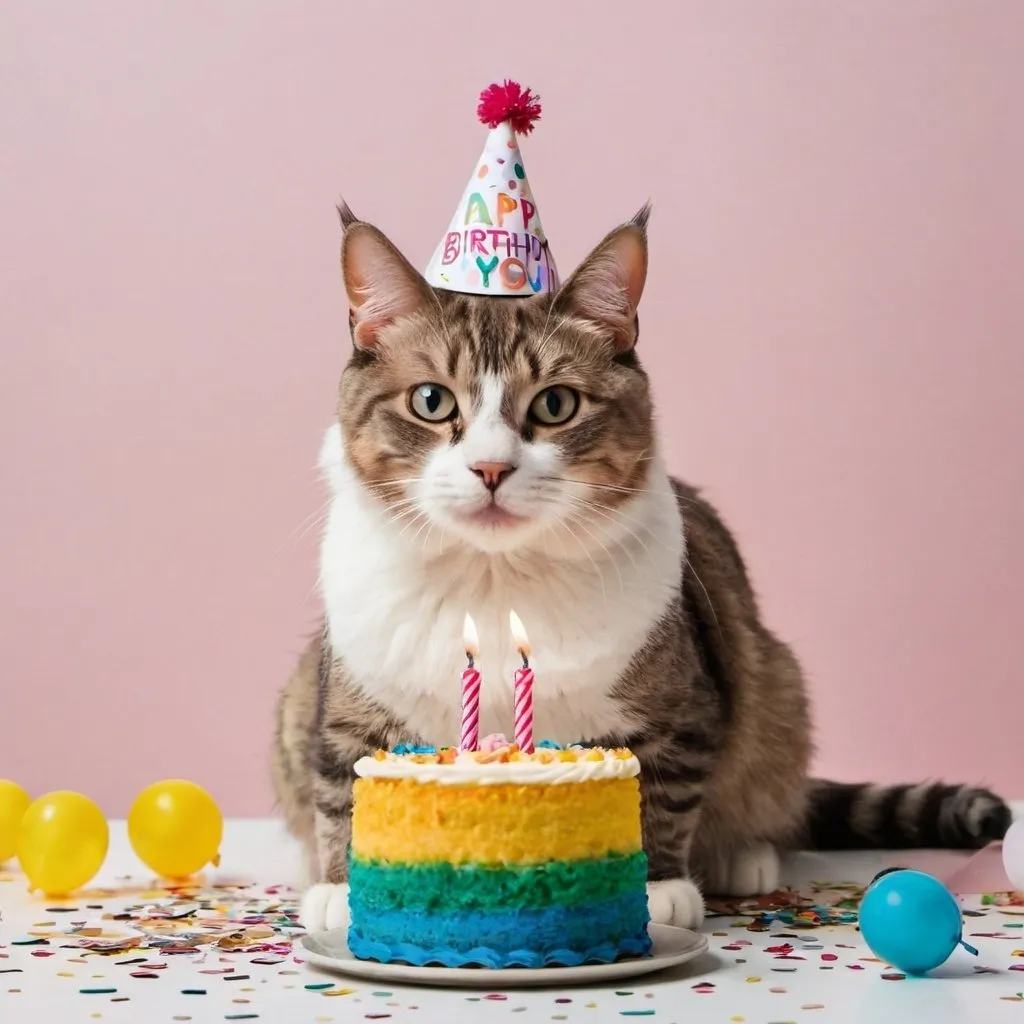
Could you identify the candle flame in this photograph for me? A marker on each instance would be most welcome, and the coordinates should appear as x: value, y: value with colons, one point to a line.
x: 519, y: 633
x: 470, y: 637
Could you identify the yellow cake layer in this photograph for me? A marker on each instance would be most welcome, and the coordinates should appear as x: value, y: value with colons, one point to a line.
x: 408, y: 822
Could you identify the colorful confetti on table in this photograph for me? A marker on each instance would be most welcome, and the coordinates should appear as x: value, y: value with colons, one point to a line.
x: 228, y: 952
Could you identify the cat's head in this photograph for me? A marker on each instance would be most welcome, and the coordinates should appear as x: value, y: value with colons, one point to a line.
x: 499, y: 419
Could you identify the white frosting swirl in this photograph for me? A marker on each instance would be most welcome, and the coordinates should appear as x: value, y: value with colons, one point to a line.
x: 467, y: 770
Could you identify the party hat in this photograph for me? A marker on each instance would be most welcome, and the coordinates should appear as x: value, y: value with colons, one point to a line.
x: 495, y: 244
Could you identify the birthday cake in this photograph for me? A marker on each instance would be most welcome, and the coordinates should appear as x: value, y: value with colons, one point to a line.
x: 497, y: 858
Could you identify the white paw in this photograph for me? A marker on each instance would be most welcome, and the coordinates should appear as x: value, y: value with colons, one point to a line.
x: 677, y: 902
x: 753, y: 871
x: 324, y: 906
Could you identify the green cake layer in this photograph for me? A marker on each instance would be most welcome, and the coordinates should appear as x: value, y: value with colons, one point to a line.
x: 438, y: 886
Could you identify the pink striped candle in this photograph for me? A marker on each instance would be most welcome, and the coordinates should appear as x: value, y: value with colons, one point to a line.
x: 522, y: 688
x: 470, y: 690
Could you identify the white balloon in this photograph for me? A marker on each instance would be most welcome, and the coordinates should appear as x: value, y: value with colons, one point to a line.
x: 1013, y: 855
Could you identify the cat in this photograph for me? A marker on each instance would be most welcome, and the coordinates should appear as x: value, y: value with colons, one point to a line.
x: 494, y: 454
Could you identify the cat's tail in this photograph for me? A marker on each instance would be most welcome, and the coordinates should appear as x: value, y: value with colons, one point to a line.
x: 858, y: 816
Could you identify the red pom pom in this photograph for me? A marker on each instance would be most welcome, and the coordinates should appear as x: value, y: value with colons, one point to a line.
x: 509, y: 101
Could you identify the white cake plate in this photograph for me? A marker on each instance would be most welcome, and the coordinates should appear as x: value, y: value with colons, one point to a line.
x: 672, y: 946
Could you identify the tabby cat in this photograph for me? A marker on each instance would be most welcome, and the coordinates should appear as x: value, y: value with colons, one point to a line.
x: 492, y: 454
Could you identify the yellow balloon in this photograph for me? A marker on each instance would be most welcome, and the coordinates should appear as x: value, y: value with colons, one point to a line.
x: 14, y: 802
x: 175, y: 828
x: 62, y: 842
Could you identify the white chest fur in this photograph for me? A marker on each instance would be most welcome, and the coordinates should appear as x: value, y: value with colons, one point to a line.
x: 395, y: 600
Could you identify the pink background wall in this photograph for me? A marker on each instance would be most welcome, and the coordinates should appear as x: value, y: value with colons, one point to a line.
x: 834, y: 323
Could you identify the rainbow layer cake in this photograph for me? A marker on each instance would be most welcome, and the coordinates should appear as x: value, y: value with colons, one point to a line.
x: 498, y: 859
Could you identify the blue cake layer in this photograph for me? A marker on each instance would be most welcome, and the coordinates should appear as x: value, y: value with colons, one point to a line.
x: 636, y: 945
x: 538, y: 933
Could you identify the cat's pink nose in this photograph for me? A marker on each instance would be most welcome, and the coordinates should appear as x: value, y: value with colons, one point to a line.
x: 493, y: 474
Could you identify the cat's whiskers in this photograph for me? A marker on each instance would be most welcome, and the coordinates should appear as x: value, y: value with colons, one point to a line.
x: 315, y: 518
x: 319, y: 520
x: 398, y: 483
x: 586, y: 551
x: 707, y: 596
x: 604, y: 547
x: 593, y: 507
x: 420, y: 514
x: 430, y: 530
x: 408, y: 511
x: 547, y: 336
x: 427, y: 524
x: 402, y: 508
x: 398, y: 503
x: 661, y: 543
x: 619, y: 489
x: 547, y: 320
x: 614, y: 511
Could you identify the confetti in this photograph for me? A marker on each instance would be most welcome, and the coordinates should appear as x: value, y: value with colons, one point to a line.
x: 222, y: 930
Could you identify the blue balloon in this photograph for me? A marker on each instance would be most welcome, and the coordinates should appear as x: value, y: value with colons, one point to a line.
x: 910, y: 920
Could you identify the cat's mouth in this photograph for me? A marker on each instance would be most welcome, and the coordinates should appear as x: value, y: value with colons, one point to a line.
x: 493, y: 515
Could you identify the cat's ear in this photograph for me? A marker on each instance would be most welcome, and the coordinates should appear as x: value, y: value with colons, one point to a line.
x: 382, y: 285
x: 606, y: 287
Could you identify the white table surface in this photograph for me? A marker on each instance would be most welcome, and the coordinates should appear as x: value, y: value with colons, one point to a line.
x: 750, y: 984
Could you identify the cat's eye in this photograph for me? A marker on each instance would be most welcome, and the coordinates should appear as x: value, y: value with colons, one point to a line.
x: 554, y: 406
x: 432, y: 402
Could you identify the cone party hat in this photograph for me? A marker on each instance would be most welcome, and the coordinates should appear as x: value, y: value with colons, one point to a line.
x: 495, y: 244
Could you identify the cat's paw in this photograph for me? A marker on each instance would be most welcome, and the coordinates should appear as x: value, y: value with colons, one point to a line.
x: 676, y: 901
x: 753, y: 871
x: 324, y: 906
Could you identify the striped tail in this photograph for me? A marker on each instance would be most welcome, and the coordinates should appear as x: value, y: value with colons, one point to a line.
x: 859, y: 816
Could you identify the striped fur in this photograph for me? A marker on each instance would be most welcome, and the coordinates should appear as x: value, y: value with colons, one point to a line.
x: 637, y: 593
x: 850, y: 816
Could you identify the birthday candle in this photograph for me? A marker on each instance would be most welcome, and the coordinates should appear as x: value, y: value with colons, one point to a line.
x: 470, y: 689
x: 522, y: 688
